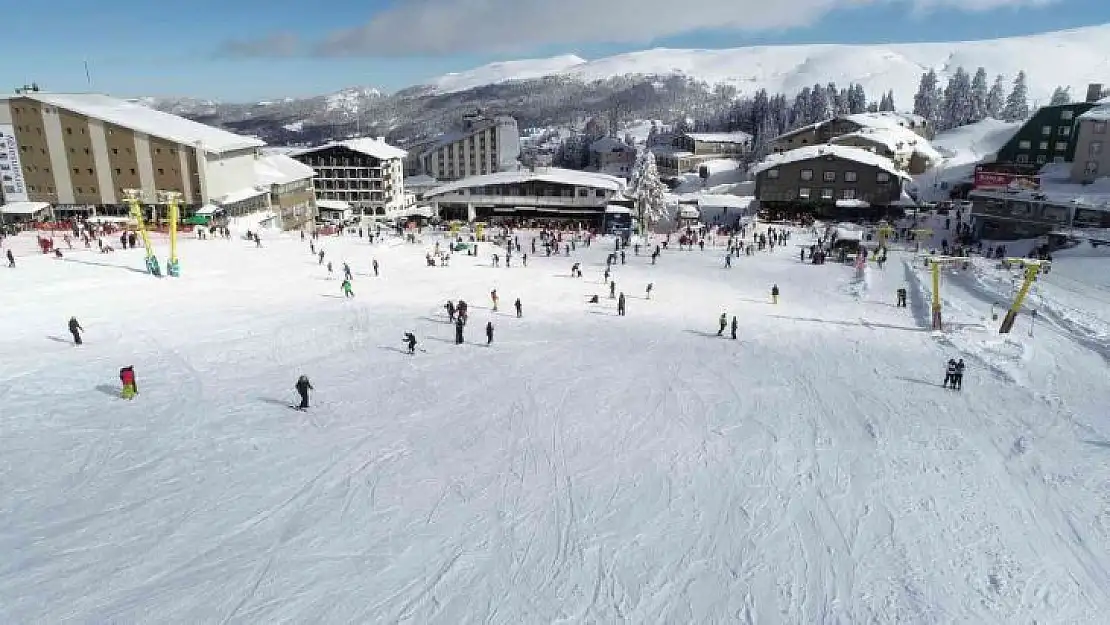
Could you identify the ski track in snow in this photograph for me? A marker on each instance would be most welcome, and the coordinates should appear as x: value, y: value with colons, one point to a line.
x: 584, y: 468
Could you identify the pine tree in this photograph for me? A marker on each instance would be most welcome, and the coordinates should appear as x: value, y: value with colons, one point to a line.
x: 979, y: 91
x: 957, y: 100
x: 886, y: 103
x: 1062, y: 95
x: 857, y: 99
x: 926, y: 102
x: 648, y: 190
x: 820, y: 107
x: 1017, y: 103
x: 800, y: 112
x: 996, y: 98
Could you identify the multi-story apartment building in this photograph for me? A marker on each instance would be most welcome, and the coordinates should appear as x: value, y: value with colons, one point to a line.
x: 483, y: 145
x: 834, y: 181
x: 366, y: 173
x: 1047, y: 137
x: 79, y: 152
x: 825, y: 131
x: 909, y: 151
x: 612, y: 156
x: 1092, y: 144
x: 687, y: 151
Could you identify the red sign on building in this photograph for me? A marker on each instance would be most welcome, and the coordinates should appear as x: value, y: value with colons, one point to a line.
x: 985, y: 178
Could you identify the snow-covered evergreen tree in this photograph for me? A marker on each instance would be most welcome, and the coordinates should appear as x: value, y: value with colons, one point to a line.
x: 648, y: 190
x: 957, y: 101
x: 800, y: 113
x: 1017, y: 103
x: 979, y: 91
x: 886, y: 103
x: 1062, y: 95
x: 927, y: 101
x: 857, y: 99
x: 996, y: 98
x: 819, y: 105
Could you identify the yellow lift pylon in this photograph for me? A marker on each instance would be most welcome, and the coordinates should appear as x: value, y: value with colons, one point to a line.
x: 173, y: 200
x: 935, y: 263
x: 133, y: 197
x: 1033, y: 268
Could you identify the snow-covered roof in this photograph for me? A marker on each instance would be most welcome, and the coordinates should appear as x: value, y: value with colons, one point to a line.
x: 280, y: 169
x: 240, y: 195
x: 896, y: 139
x: 370, y: 146
x: 146, y: 120
x: 421, y: 180
x: 852, y: 204
x: 1100, y: 113
x: 543, y: 174
x: 23, y: 208
x: 846, y: 152
x: 724, y: 201
x: 607, y: 144
x: 720, y: 137
x: 208, y: 209
x: 885, y: 119
x: 613, y: 209
x: 333, y: 205
x: 689, y: 212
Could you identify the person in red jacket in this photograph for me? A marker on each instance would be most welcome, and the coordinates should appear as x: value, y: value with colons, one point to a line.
x: 127, y: 378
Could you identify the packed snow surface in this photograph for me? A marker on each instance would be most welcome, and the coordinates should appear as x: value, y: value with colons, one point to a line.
x: 1069, y: 57
x: 585, y: 467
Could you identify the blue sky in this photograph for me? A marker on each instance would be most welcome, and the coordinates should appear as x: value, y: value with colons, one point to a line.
x: 245, y: 50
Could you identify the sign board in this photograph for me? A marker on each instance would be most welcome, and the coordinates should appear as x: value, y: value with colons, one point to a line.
x: 11, y: 169
x: 1004, y: 180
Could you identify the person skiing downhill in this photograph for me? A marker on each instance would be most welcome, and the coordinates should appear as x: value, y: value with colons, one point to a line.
x: 346, y: 286
x: 450, y: 306
x: 723, y: 321
x: 460, y: 322
x: 410, y: 340
x: 775, y: 294
x: 735, y: 324
x: 650, y: 286
x: 375, y: 266
x: 950, y: 374
x: 519, y: 308
x: 346, y: 271
x: 321, y: 258
x: 75, y: 329
x: 303, y: 386
x: 489, y: 333
x: 127, y: 380
x: 11, y: 260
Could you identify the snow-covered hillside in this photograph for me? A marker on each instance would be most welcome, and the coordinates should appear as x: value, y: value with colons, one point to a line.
x: 585, y: 467
x: 1071, y: 57
x: 962, y: 148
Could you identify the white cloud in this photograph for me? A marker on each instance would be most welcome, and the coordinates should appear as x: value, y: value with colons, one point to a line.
x: 437, y: 27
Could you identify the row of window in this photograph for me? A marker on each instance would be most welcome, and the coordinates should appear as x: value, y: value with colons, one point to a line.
x: 827, y: 194
x: 349, y: 172
x: 550, y: 191
x: 1026, y: 144
x: 881, y: 177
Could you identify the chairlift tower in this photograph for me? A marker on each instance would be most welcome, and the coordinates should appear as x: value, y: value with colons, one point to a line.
x: 173, y: 200
x: 1033, y: 268
x: 134, y: 198
x: 935, y: 263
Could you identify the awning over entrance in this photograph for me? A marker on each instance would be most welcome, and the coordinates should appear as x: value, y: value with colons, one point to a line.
x: 24, y: 208
x: 208, y: 209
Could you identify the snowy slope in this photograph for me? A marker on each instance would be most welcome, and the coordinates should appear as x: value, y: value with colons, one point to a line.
x: 962, y: 148
x: 584, y: 468
x: 1072, y: 57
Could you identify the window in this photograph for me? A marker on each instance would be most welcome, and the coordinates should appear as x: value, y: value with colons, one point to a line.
x: 1025, y: 144
x: 882, y: 176
x: 1061, y: 146
x: 1046, y: 130
x: 1043, y: 146
x: 1064, y: 131
x: 1041, y: 159
x: 132, y: 171
x: 1091, y: 168
x: 1022, y: 159
x: 1067, y: 114
x: 773, y: 174
x: 161, y: 171
x: 92, y: 190
x: 86, y: 150
x: 117, y: 171
x: 1100, y: 128
x: 157, y: 150
x: 803, y: 193
x: 78, y: 189
x: 850, y: 176
x: 830, y: 176
x: 849, y: 194
x: 1057, y: 159
x: 69, y: 131
x: 826, y: 194
x: 77, y: 171
x: 115, y: 150
x: 1095, y: 148
x: 807, y: 174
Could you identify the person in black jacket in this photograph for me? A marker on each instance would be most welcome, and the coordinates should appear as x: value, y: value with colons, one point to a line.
x: 958, y: 379
x: 489, y: 332
x: 902, y: 298
x: 410, y: 340
x: 75, y: 329
x: 950, y: 374
x: 303, y: 386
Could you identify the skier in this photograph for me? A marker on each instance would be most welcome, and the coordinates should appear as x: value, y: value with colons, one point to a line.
x: 728, y: 260
x: 329, y: 270
x: 75, y: 329
x: 524, y: 259
x: 958, y: 379
x: 450, y: 306
x: 950, y: 374
x: 593, y: 299
x: 346, y: 271
x: 493, y: 297
x: 734, y: 326
x: 11, y: 260
x: 346, y: 286
x: 303, y: 386
x: 612, y: 289
x: 902, y: 298
x: 459, y: 323
x: 375, y: 266
x: 410, y: 340
x: 489, y: 333
x: 321, y: 258
x: 127, y: 379
x: 312, y: 247
x: 775, y: 294
x: 724, y: 324
x: 519, y: 308
x: 649, y: 287
x: 620, y: 305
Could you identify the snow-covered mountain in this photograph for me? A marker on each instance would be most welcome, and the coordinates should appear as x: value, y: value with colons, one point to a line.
x: 1069, y: 57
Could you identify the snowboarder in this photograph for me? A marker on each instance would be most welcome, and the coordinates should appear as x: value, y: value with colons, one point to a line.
x: 375, y: 266
x: 303, y: 386
x: 75, y: 329
x: 775, y: 294
x: 958, y: 379
x: 519, y: 308
x: 620, y: 305
x: 127, y: 379
x: 902, y: 298
x: 735, y: 324
x: 346, y: 286
x: 950, y: 373
x: 459, y: 323
x: 649, y: 287
x: 489, y: 333
x: 410, y: 340
x: 723, y: 321
x: 593, y: 299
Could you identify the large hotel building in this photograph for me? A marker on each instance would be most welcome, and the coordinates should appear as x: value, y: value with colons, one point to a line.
x: 79, y: 152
